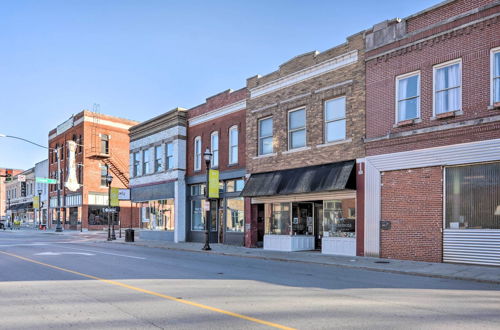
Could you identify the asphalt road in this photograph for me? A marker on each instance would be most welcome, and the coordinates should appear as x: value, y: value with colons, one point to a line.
x: 61, y: 282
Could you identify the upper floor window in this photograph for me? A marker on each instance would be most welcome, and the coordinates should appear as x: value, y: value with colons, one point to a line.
x: 137, y: 164
x: 266, y: 136
x: 297, y: 129
x: 169, y: 149
x: 158, y: 159
x: 80, y: 143
x: 197, y: 153
x: 495, y: 76
x: 104, y: 144
x: 408, y: 96
x: 335, y: 122
x: 447, y: 87
x: 104, y: 174
x: 214, y: 143
x: 146, y: 161
x: 233, y: 145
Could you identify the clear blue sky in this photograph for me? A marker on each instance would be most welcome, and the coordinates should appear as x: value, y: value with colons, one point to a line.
x: 140, y: 58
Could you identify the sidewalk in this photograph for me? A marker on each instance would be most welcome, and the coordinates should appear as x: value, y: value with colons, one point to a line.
x: 487, y: 274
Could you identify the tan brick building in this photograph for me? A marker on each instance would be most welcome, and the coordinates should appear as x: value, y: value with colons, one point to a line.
x: 305, y: 127
x: 433, y: 135
x: 4, y: 197
x: 103, y: 147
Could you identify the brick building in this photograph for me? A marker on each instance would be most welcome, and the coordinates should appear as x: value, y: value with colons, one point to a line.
x: 102, y: 148
x: 219, y: 125
x: 157, y: 180
x: 20, y: 193
x: 433, y: 135
x: 4, y: 197
x: 305, y: 128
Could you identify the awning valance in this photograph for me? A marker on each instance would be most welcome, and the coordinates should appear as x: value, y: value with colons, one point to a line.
x: 312, y: 179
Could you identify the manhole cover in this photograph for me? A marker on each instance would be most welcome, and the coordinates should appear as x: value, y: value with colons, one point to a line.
x: 382, y: 262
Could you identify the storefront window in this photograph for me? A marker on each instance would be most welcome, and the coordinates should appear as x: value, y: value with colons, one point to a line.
x: 473, y: 197
x: 279, y: 220
x: 97, y: 216
x: 198, y: 215
x: 302, y: 219
x: 235, y: 185
x: 159, y: 215
x: 339, y: 218
x: 198, y: 190
x: 235, y: 215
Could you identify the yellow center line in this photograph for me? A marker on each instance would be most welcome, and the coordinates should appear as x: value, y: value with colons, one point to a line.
x: 183, y: 301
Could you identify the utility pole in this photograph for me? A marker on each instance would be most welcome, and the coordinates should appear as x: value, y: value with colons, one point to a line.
x: 58, y: 226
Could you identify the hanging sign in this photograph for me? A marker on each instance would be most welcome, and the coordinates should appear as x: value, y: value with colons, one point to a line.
x: 213, y: 184
x: 36, y: 202
x: 114, y: 196
x: 124, y: 194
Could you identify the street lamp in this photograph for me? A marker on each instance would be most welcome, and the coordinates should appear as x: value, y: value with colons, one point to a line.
x: 111, y: 234
x: 58, y: 151
x: 207, y: 156
x: 40, y: 208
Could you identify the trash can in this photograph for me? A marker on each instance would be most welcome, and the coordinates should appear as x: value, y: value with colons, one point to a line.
x: 129, y: 235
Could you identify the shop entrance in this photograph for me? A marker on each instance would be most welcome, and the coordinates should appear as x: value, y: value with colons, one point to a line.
x: 307, y: 218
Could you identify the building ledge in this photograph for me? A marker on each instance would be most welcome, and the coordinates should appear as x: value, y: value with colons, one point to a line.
x: 447, y: 115
x: 329, y: 144
x: 407, y: 122
x: 265, y: 156
x: 494, y: 106
x: 296, y: 150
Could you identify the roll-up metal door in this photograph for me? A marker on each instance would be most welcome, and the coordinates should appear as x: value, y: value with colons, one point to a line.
x: 472, y: 246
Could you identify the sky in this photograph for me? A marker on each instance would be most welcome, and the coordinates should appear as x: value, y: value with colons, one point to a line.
x: 137, y: 59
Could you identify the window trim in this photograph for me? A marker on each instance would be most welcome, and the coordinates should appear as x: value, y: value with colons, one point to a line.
x: 326, y: 122
x: 214, y: 133
x: 155, y: 148
x: 195, y: 141
x: 290, y: 131
x: 230, y: 154
x: 146, y: 151
x: 434, y: 70
x: 167, y: 167
x: 259, y: 137
x: 493, y: 52
x: 401, y: 77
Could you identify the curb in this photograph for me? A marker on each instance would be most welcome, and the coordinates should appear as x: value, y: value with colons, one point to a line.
x: 393, y: 271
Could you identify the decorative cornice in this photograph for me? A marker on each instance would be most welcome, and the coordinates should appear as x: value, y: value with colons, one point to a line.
x: 308, y: 73
x: 217, y: 113
x: 436, y: 38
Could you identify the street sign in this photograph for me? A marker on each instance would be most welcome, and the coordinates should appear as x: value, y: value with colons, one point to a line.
x: 21, y: 178
x: 46, y: 180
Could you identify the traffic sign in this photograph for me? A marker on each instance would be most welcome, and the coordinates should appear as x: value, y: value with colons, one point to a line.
x: 46, y: 180
x: 21, y: 178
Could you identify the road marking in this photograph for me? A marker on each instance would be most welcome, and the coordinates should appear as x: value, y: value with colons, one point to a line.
x: 180, y: 300
x: 60, y: 253
x: 113, y: 254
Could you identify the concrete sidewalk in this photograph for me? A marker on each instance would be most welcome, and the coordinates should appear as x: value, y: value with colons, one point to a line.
x: 487, y: 274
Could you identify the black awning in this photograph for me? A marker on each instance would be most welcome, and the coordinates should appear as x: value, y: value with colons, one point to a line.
x: 319, y: 178
x: 21, y: 206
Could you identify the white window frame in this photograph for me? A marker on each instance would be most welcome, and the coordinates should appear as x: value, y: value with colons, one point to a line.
x: 304, y: 128
x: 326, y: 122
x: 493, y: 52
x: 146, y: 152
x: 197, y: 153
x: 231, y: 144
x: 437, y: 67
x: 167, y: 156
x: 160, y: 147
x: 401, y: 77
x: 214, y: 148
x: 260, y: 137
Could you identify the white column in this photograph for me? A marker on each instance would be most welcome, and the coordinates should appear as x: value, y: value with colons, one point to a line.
x: 180, y: 209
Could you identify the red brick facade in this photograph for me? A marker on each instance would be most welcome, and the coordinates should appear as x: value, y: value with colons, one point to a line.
x: 87, y: 126
x: 412, y: 202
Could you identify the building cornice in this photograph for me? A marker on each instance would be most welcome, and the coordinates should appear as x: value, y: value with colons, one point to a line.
x: 217, y: 113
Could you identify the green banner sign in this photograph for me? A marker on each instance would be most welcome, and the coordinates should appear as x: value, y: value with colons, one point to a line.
x: 213, y: 184
x: 46, y: 180
x: 114, y: 197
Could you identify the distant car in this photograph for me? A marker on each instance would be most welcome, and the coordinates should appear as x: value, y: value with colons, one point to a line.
x: 2, y: 225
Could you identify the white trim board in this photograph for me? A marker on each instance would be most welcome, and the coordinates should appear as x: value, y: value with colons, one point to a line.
x: 457, y: 154
x: 311, y: 72
x: 217, y: 113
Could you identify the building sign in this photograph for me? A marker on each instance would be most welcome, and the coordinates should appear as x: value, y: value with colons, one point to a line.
x: 72, y: 181
x: 21, y: 178
x: 124, y: 194
x: 65, y: 126
x: 36, y: 202
x: 213, y: 184
x: 114, y: 197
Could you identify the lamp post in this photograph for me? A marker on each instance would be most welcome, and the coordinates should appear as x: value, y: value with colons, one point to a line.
x: 10, y: 214
x: 207, y: 156
x: 40, y: 207
x: 111, y: 234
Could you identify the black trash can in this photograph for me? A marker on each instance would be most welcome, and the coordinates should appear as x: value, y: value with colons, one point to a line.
x: 129, y: 235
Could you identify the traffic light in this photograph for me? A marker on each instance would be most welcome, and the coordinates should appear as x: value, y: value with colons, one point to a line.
x: 23, y: 189
x: 8, y: 175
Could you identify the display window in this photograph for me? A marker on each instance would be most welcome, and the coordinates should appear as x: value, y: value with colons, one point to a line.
x: 198, y: 215
x: 339, y: 218
x: 235, y: 215
x: 158, y: 215
x: 472, y: 197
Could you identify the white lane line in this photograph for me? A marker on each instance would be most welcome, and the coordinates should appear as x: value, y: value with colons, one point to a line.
x: 26, y: 244
x: 60, y: 253
x: 112, y: 254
